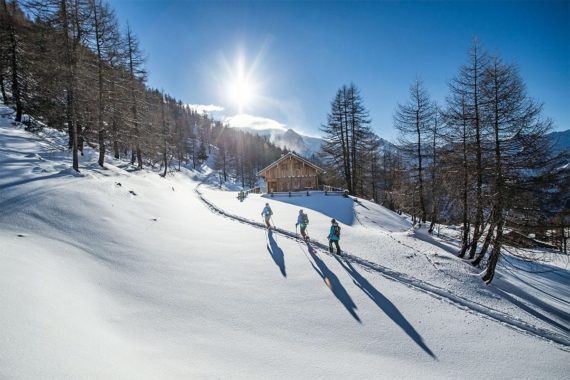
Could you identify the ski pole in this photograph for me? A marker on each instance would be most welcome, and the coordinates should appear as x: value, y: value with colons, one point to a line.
x: 274, y: 226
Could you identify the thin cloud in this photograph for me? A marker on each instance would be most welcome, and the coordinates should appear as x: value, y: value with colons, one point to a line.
x: 254, y: 122
x: 205, y: 108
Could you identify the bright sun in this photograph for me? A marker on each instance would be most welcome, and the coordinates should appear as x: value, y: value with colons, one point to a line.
x: 241, y: 92
x: 241, y: 88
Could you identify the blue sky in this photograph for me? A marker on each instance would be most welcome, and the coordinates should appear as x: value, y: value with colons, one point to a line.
x: 295, y: 55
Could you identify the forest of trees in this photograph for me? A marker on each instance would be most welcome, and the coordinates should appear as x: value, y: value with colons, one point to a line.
x: 68, y: 65
x: 483, y: 159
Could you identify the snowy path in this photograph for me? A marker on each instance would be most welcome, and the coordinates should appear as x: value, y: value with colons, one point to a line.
x: 437, y: 292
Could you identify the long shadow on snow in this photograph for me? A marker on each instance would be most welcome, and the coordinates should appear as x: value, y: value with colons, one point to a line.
x: 276, y: 253
x: 34, y: 179
x: 420, y: 235
x: 386, y: 305
x: 520, y: 297
x: 531, y: 310
x: 333, y: 283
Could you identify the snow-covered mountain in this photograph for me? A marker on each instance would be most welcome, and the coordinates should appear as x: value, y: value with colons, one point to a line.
x: 561, y: 140
x: 122, y: 274
x: 302, y: 144
x: 290, y: 139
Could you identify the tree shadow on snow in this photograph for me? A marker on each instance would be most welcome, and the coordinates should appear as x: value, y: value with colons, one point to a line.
x: 426, y: 237
x: 385, y: 305
x: 276, y: 253
x: 543, y: 302
x: 334, y: 284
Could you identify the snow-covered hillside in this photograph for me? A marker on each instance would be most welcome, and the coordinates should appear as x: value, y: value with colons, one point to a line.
x: 115, y: 273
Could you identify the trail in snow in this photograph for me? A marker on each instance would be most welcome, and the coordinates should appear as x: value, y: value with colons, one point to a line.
x: 562, y: 341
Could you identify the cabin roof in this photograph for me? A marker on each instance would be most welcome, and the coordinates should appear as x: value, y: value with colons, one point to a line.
x: 288, y: 155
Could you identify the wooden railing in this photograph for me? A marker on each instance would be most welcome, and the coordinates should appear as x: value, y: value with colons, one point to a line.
x: 244, y: 193
x: 327, y: 190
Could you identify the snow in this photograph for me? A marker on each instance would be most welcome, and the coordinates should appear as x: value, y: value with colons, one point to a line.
x: 115, y: 273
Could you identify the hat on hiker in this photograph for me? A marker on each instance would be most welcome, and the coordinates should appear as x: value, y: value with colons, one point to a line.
x: 333, y: 221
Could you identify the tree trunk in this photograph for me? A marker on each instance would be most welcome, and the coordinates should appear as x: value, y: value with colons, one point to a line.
x: 101, y: 136
x: 139, y: 157
x: 70, y: 73
x: 486, y: 243
x: 420, y: 177
x: 2, y: 87
x: 101, y: 131
x: 495, y: 254
x: 116, y: 149
x: 465, y: 240
x: 16, y: 95
x: 477, y: 232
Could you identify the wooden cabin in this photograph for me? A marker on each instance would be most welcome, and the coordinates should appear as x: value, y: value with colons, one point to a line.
x: 291, y: 173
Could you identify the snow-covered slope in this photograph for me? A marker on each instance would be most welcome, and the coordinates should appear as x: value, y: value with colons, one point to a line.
x: 560, y: 140
x: 121, y: 274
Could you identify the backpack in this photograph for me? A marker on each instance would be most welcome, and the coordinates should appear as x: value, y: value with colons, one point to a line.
x: 336, y: 231
x: 305, y: 219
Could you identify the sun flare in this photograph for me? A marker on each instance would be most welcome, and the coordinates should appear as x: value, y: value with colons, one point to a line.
x: 241, y: 92
x: 241, y: 86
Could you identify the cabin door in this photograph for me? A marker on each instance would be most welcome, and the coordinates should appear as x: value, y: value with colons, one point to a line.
x: 272, y: 187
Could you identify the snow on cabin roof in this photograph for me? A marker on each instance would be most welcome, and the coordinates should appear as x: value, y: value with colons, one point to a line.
x: 293, y: 155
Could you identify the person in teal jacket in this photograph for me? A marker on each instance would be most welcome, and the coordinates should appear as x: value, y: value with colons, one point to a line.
x: 267, y: 213
x: 334, y: 236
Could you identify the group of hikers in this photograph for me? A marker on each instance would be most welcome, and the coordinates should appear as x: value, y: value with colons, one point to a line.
x: 303, y: 222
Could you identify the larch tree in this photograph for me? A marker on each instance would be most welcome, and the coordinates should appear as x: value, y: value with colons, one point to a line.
x: 137, y: 76
x: 104, y: 40
x: 414, y: 120
x: 519, y: 142
x: 467, y: 84
x: 346, y: 131
x: 458, y: 137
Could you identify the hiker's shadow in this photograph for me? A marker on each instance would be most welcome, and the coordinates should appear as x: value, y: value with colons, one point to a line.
x: 385, y: 305
x: 333, y: 283
x: 276, y: 253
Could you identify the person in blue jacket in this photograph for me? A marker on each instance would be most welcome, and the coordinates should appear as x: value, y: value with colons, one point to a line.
x: 334, y: 236
x: 303, y: 222
x: 266, y: 213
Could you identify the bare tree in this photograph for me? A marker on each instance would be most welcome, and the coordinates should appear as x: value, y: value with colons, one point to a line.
x: 345, y: 136
x: 414, y: 119
x: 519, y: 139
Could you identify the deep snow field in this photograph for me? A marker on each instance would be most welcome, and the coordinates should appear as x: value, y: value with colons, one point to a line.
x: 122, y: 274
